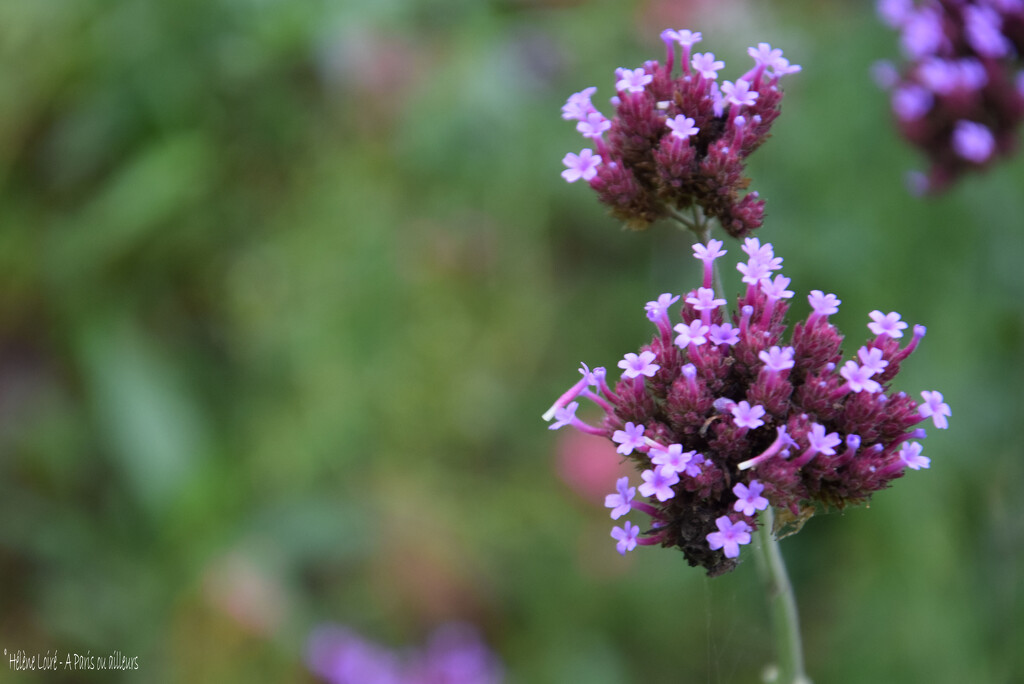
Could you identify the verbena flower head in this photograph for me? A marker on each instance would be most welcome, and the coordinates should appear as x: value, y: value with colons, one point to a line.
x: 679, y: 140
x: 736, y: 412
x: 959, y: 97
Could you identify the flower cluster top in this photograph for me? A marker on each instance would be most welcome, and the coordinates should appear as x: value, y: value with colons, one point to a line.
x: 960, y: 98
x: 723, y: 416
x: 679, y: 142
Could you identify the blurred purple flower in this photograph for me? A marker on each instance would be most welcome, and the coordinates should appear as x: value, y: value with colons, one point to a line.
x: 957, y: 98
x: 454, y: 654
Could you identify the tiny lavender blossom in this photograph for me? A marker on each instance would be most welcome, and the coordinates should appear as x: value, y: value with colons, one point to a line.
x: 934, y: 408
x: 620, y: 502
x: 730, y: 536
x: 583, y: 165
x: 634, y: 366
x: 736, y: 414
x: 749, y: 499
x: 678, y: 141
x: 956, y: 98
x: 626, y: 537
x: 629, y: 438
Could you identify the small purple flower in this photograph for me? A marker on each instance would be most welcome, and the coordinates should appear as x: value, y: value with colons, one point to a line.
x: 708, y: 253
x: 895, y: 12
x: 707, y: 65
x: 823, y: 443
x: 584, y: 165
x: 939, y: 75
x: 684, y: 37
x: 884, y: 74
x: 578, y: 105
x: 871, y: 360
x: 765, y: 253
x: 705, y: 300
x: 672, y: 457
x: 632, y: 81
x: 626, y: 537
x: 695, y: 333
x: 886, y: 324
x: 634, y: 366
x: 776, y: 289
x: 764, y: 54
x: 621, y: 501
x: 693, y: 468
x: 730, y: 536
x: 922, y: 33
x: 629, y: 439
x: 658, y: 308
x: 723, y: 334
x: 739, y: 93
x: 970, y: 75
x: 658, y: 482
x: 754, y: 271
x: 456, y: 654
x: 984, y: 29
x: 565, y: 415
x: 777, y: 359
x: 782, y: 67
x: 935, y: 408
x: 749, y: 498
x: 823, y: 304
x: 911, y: 102
x: 910, y: 454
x: 747, y: 416
x: 973, y: 141
x: 593, y: 125
x: 592, y: 377
x: 859, y: 378
x: 682, y: 126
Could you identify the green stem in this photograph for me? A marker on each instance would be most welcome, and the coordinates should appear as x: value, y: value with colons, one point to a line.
x: 782, y: 605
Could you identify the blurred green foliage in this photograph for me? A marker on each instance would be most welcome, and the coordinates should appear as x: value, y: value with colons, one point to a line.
x: 285, y: 286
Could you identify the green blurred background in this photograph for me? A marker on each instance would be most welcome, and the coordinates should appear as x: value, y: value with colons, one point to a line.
x: 285, y: 286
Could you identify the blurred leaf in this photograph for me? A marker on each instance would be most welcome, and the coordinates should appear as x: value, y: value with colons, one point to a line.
x: 144, y: 413
x: 145, y: 195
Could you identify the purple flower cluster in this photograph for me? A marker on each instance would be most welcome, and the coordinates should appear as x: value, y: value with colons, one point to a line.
x: 961, y: 96
x: 454, y: 654
x: 679, y: 142
x: 723, y: 416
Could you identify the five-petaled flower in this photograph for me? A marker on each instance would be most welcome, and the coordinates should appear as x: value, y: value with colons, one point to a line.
x: 626, y: 537
x: 730, y: 536
x: 620, y: 501
x: 749, y: 499
x: 634, y: 365
x: 583, y: 165
x: 935, y: 408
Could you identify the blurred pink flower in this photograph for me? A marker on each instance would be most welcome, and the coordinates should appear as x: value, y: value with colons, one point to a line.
x: 587, y: 464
